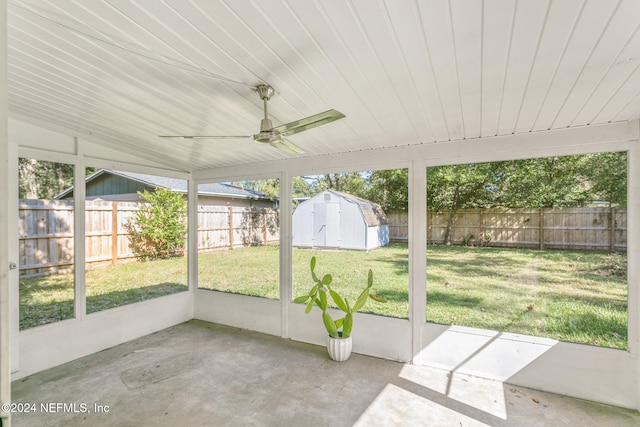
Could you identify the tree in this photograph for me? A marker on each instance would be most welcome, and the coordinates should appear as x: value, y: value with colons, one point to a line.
x: 271, y: 187
x: 544, y: 183
x: 39, y: 179
x: 42, y: 180
x: 157, y: 230
x: 531, y: 183
x: 607, y: 173
x: 389, y: 188
x: 459, y: 186
x: 346, y: 182
x: 300, y: 187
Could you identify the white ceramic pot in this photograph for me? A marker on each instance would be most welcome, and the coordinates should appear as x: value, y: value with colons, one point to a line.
x: 339, y: 348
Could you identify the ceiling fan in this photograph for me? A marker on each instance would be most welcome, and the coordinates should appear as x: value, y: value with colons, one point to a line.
x: 274, y: 136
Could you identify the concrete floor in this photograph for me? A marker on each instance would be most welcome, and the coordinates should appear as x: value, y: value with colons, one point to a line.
x: 201, y: 374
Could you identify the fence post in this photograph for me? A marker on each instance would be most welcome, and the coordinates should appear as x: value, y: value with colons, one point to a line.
x: 264, y: 218
x: 612, y: 229
x: 231, y: 226
x: 541, y: 228
x: 481, y: 228
x: 114, y: 233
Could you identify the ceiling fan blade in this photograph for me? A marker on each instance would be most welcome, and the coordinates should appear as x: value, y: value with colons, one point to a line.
x: 308, y: 122
x: 286, y: 146
x: 205, y: 136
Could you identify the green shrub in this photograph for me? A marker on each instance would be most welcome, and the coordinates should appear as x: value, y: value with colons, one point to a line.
x: 158, y: 229
x: 468, y: 239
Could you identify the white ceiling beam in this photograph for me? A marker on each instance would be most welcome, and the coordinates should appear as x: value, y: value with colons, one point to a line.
x: 586, y: 139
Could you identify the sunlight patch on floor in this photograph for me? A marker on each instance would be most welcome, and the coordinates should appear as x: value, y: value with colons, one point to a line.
x: 487, y: 354
x: 483, y: 394
x: 397, y: 406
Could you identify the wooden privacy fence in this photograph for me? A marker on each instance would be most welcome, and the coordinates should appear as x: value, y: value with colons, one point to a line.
x: 592, y: 228
x: 46, y: 243
x: 223, y: 227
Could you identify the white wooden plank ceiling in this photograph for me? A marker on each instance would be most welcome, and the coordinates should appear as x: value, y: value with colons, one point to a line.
x: 403, y: 72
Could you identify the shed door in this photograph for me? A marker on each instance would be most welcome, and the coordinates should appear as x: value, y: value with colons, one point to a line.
x: 327, y: 224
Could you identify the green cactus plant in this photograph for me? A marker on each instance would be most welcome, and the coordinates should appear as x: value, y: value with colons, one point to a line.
x: 339, y: 328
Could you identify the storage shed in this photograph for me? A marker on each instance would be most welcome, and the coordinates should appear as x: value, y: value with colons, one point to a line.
x: 333, y: 219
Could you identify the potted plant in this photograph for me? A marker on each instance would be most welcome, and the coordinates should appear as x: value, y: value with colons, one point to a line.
x: 339, y: 342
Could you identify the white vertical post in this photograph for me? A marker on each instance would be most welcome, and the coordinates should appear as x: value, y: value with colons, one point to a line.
x: 13, y: 241
x: 417, y: 255
x: 5, y: 215
x: 633, y: 255
x: 286, y: 252
x: 79, y: 232
x: 192, y: 235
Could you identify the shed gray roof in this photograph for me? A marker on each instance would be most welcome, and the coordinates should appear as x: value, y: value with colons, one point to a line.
x: 373, y: 213
x: 177, y: 185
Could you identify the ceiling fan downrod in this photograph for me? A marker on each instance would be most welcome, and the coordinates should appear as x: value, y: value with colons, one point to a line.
x: 265, y: 92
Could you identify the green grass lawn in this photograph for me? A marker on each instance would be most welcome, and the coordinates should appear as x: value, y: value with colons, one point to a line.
x: 49, y: 299
x: 578, y: 296
x: 249, y: 271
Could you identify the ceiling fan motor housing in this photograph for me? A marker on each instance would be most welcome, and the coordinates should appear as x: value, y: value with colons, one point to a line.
x: 266, y: 136
x: 265, y: 125
x: 266, y: 133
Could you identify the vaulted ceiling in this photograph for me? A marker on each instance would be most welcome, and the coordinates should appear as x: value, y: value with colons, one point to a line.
x: 123, y: 72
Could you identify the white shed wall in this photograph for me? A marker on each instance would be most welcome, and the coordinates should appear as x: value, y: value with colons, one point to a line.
x: 377, y: 236
x: 353, y: 228
x: 319, y: 223
x: 303, y: 225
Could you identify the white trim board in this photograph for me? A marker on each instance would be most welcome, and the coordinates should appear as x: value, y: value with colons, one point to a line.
x: 581, y: 140
x: 51, y: 345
